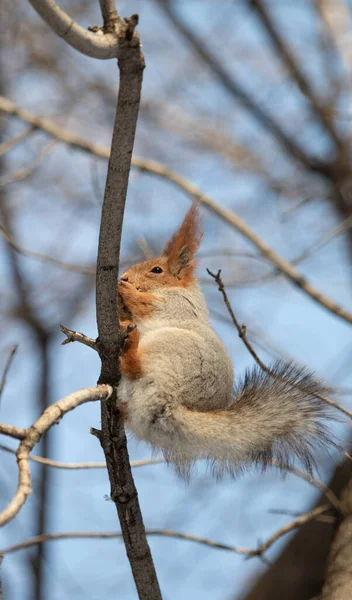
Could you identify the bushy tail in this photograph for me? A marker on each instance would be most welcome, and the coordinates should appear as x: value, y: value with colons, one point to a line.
x: 274, y: 417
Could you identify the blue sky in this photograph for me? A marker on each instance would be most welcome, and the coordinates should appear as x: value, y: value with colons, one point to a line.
x: 231, y: 511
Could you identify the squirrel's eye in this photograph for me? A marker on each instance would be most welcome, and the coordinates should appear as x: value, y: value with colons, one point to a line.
x: 156, y: 270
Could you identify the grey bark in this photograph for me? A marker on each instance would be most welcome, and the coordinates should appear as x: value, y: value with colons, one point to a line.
x: 338, y: 580
x: 1, y: 592
x: 298, y: 573
x: 113, y: 439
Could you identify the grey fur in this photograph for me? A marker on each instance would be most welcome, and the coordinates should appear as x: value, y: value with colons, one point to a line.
x: 184, y: 403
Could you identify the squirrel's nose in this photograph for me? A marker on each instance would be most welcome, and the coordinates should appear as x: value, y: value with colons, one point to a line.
x: 123, y: 278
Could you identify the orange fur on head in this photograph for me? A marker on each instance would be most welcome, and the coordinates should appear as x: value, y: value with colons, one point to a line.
x: 183, y: 245
x: 174, y: 269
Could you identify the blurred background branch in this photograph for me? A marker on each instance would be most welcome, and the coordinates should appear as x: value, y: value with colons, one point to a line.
x: 255, y: 110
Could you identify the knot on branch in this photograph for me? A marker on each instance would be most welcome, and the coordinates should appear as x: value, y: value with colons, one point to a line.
x: 242, y: 332
x: 124, y: 29
x: 131, y: 23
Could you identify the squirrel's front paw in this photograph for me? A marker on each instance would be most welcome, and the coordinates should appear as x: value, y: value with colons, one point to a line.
x: 131, y: 335
x: 127, y: 299
x: 126, y: 290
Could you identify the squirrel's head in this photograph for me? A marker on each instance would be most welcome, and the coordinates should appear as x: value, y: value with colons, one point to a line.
x: 176, y: 266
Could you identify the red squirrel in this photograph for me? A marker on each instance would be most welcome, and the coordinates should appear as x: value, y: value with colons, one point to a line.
x: 176, y: 389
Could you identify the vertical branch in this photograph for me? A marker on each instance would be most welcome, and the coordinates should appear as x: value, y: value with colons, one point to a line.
x: 109, y: 13
x: 113, y: 439
x: 45, y: 479
x: 26, y: 311
x: 1, y: 592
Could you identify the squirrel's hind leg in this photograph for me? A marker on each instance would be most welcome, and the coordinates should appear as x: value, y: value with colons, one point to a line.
x: 130, y: 361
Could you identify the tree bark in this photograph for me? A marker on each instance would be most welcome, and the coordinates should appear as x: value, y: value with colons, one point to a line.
x: 298, y: 573
x: 338, y: 580
x: 1, y: 592
x: 113, y: 438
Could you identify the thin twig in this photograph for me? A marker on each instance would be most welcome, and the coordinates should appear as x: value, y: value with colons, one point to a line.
x: 6, y: 368
x: 242, y: 334
x: 145, y: 462
x: 32, y: 436
x: 337, y: 19
x: 235, y: 89
x: 56, y: 464
x: 228, y: 216
x: 18, y: 433
x: 75, y: 336
x: 328, y: 493
x: 12, y: 142
x: 44, y: 257
x: 30, y: 169
x: 285, y: 55
x: 295, y: 524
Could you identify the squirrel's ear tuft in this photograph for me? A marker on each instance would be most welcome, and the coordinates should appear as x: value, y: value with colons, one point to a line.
x: 183, y: 245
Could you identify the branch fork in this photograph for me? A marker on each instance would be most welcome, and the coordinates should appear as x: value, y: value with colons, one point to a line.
x: 117, y: 33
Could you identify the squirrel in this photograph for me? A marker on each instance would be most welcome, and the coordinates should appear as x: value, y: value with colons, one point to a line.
x: 177, y: 383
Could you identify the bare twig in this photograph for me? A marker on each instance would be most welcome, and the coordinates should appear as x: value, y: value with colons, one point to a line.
x: 324, y: 239
x: 44, y: 257
x: 17, y: 139
x: 52, y: 129
x: 337, y: 19
x: 234, y: 88
x: 275, y: 273
x: 18, y: 433
x: 242, y: 334
x: 228, y: 216
x: 295, y: 524
x: 287, y: 56
x: 6, y: 368
x: 75, y: 336
x: 33, y: 434
x: 328, y: 493
x: 30, y: 169
x: 56, y: 464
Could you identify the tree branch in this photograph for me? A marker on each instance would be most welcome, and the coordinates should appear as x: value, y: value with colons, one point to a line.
x: 113, y: 438
x: 39, y: 256
x: 1, y: 591
x: 328, y: 493
x: 101, y: 45
x: 337, y: 19
x: 56, y: 464
x: 338, y: 579
x: 6, y: 369
x: 75, y: 336
x: 294, y: 69
x: 109, y: 13
x: 228, y: 216
x: 17, y: 139
x: 242, y: 334
x: 234, y: 88
x: 250, y: 552
x: 33, y: 435
x: 18, y: 433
